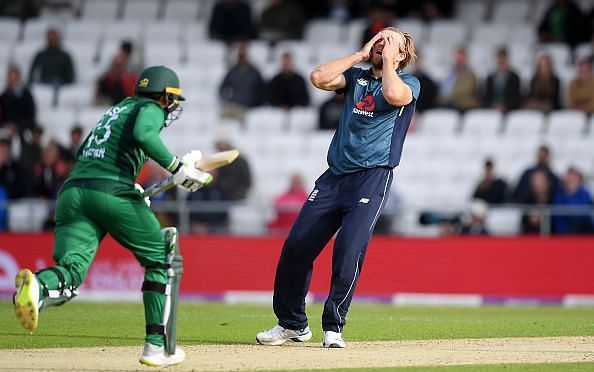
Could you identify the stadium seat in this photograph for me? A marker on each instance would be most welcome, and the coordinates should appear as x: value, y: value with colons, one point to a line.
x: 322, y: 30
x: 27, y: 215
x: 481, y: 123
x: 471, y: 11
x: 266, y: 120
x: 57, y: 122
x: 162, y: 52
x: 89, y: 116
x: 162, y: 32
x: 566, y: 123
x: 523, y: 124
x: 450, y: 33
x: 101, y: 9
x: 9, y: 29
x: 202, y: 52
x: 181, y: 10
x: 43, y: 94
x: 560, y: 54
x: 84, y: 30
x: 23, y: 54
x: 415, y: 27
x: 354, y: 31
x: 481, y: 58
x: 303, y: 119
x: 583, y: 50
x: 141, y: 10
x: 438, y: 123
x: 503, y: 221
x: 248, y: 219
x: 122, y: 30
x: 76, y: 95
x: 36, y: 29
x: 511, y: 11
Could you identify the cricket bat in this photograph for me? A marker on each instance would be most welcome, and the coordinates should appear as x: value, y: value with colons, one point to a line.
x: 205, y: 164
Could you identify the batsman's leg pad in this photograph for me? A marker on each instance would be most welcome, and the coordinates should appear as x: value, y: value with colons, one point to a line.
x: 65, y: 291
x: 170, y: 291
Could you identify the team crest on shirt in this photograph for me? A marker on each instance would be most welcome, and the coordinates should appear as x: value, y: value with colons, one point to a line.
x: 365, y: 107
x: 362, y: 82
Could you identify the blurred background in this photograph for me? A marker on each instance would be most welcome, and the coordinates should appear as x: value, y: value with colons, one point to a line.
x: 502, y: 142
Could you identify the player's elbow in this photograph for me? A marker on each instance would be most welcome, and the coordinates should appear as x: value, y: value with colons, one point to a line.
x: 316, y: 78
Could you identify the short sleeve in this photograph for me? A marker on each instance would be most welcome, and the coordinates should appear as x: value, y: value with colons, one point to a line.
x: 413, y: 83
x: 350, y: 76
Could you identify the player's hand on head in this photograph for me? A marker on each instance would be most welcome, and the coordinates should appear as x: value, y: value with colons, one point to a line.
x: 366, y: 51
x: 390, y: 51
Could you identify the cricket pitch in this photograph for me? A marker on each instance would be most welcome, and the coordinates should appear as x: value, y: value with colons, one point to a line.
x: 314, y: 356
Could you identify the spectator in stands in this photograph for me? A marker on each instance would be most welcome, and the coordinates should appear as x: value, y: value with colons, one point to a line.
x: 282, y: 20
x: 12, y: 178
x: 581, y: 88
x: 49, y: 173
x: 473, y: 221
x: 23, y: 9
x: 30, y: 156
x: 522, y: 191
x: 132, y: 61
x: 330, y: 112
x: 213, y: 218
x: 502, y: 90
x: 540, y: 193
x: 116, y: 83
x: 427, y: 10
x: 68, y: 153
x: 52, y: 65
x: 428, y: 99
x: 572, y: 193
x: 242, y: 87
x: 287, y: 206
x: 235, y: 179
x: 458, y: 90
x: 380, y: 16
x: 231, y: 21
x: 563, y: 22
x: 17, y: 106
x: 491, y: 189
x: 287, y: 89
x: 544, y: 93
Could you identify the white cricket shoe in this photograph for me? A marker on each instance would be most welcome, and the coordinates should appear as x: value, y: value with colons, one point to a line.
x: 279, y: 335
x: 26, y: 299
x: 333, y: 340
x: 156, y: 356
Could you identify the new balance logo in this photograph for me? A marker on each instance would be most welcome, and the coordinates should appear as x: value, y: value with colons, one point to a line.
x: 362, y: 82
x: 313, y: 195
x: 364, y: 200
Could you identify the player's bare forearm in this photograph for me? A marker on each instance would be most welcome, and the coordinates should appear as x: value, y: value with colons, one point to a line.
x: 328, y: 76
x: 395, y: 91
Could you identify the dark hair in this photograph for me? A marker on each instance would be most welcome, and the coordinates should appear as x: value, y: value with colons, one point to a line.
x: 126, y: 47
x: 77, y: 129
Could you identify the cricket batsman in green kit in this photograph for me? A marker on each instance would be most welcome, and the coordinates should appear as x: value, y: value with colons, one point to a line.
x: 100, y: 197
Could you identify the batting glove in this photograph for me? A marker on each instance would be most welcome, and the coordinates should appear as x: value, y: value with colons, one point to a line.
x: 141, y: 190
x: 188, y: 177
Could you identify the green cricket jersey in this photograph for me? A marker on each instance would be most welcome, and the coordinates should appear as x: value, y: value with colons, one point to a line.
x: 123, y: 139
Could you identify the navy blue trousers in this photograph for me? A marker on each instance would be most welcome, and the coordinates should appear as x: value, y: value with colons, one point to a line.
x: 349, y: 204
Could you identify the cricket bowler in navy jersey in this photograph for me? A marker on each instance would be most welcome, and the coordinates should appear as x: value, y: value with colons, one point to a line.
x: 100, y: 197
x: 350, y: 195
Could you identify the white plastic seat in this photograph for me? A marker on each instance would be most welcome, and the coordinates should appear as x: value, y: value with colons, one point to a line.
x: 511, y: 11
x: 415, y: 27
x: 566, y: 123
x: 181, y: 10
x: 302, y: 53
x: 523, y: 124
x: 23, y: 54
x: 36, y: 29
x: 89, y: 116
x: 201, y: 52
x: 266, y: 120
x: 162, y: 53
x: 76, y: 95
x: 481, y: 58
x: 141, y: 10
x: 450, y: 33
x: 491, y: 33
x: 43, y: 95
x: 84, y: 30
x: 481, y: 123
x: 303, y: 119
x: 122, y: 30
x: 9, y: 29
x: 583, y: 50
x: 560, y: 54
x: 503, y: 221
x: 101, y: 9
x: 27, y: 215
x: 439, y: 122
x: 326, y: 30
x: 471, y: 11
x: 354, y: 31
x: 57, y: 122
x: 161, y: 32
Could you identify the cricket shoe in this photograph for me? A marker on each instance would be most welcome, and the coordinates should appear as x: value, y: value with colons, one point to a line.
x: 156, y: 356
x: 279, y: 335
x: 333, y: 340
x: 26, y: 299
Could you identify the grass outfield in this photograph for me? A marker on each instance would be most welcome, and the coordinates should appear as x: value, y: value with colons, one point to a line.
x: 78, y: 324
